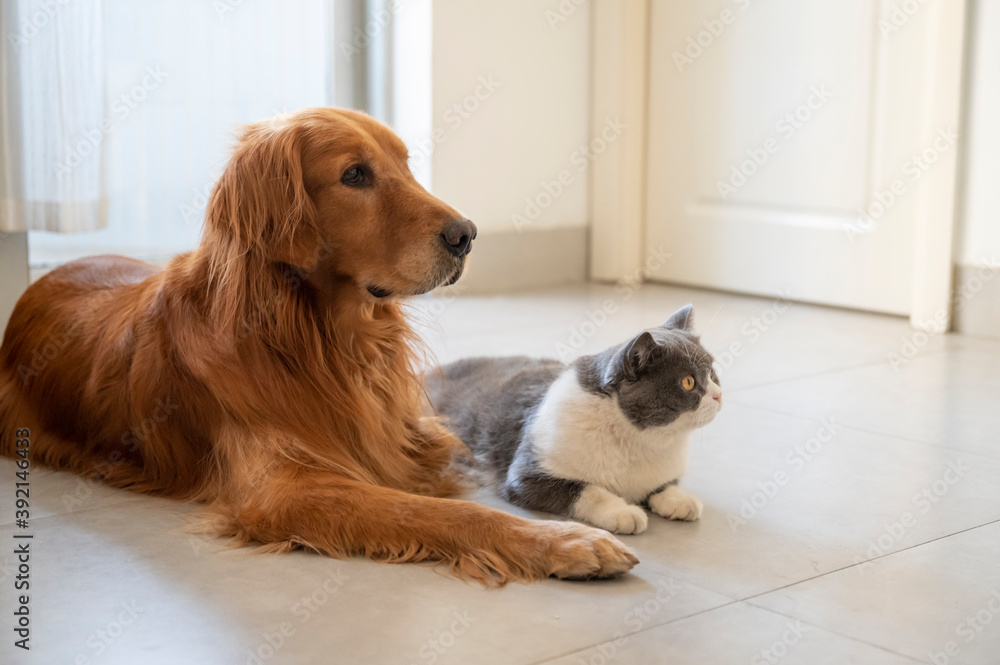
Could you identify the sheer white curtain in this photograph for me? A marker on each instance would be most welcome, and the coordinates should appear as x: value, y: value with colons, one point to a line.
x: 53, y: 164
x: 180, y: 75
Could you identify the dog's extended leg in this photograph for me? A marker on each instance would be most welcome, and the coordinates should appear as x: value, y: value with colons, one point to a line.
x: 342, y: 517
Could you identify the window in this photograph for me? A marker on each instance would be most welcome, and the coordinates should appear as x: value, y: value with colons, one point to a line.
x: 180, y: 76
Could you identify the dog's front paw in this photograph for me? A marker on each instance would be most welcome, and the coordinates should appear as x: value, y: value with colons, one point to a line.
x: 581, y: 552
x: 676, y: 504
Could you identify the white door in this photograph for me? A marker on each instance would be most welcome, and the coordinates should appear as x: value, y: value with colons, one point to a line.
x: 794, y: 146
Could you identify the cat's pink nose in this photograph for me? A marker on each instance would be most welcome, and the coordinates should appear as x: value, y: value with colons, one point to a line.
x: 717, y: 397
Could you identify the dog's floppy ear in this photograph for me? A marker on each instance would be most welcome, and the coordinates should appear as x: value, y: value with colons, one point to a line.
x: 260, y: 203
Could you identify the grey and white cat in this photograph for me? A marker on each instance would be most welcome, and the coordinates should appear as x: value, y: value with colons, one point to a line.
x: 598, y: 439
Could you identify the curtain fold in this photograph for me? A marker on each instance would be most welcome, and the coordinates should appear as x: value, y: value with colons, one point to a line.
x: 53, y: 117
x: 181, y: 76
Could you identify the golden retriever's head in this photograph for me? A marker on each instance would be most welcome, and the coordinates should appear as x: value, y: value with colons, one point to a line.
x: 329, y: 193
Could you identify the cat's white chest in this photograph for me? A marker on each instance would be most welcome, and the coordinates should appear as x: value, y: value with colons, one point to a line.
x: 586, y: 437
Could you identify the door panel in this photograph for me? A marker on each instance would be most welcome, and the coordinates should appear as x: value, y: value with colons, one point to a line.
x: 772, y: 125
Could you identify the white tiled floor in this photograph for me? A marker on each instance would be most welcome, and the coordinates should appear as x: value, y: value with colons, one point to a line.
x: 882, y: 545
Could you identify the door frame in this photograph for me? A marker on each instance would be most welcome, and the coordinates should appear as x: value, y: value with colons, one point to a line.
x: 620, y: 87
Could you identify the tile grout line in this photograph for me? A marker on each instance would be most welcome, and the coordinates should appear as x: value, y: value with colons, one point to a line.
x: 881, y: 556
x: 713, y: 609
x: 849, y: 368
x: 865, y: 430
x: 748, y: 601
x: 70, y: 513
x: 637, y: 632
x: 837, y: 632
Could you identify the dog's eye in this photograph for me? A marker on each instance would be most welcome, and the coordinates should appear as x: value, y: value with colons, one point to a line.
x: 355, y: 176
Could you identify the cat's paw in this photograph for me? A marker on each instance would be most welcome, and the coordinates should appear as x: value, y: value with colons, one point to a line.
x: 625, y: 519
x: 676, y: 504
x: 609, y: 511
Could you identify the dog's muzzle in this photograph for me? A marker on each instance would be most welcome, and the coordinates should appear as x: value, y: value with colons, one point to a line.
x: 457, y: 237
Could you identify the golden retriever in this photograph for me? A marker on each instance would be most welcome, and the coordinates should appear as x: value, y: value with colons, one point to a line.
x: 271, y: 373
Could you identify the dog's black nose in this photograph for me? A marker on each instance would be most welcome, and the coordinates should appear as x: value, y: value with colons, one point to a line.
x: 458, y: 236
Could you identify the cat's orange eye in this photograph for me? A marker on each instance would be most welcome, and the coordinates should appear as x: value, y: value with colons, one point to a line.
x: 687, y: 383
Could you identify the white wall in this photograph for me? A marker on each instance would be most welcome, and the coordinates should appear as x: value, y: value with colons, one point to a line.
x: 411, y: 79
x: 979, y: 228
x: 525, y: 126
x: 13, y: 272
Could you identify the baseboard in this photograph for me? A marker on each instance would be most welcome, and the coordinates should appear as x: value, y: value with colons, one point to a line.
x: 511, y: 261
x: 13, y: 273
x: 977, y: 300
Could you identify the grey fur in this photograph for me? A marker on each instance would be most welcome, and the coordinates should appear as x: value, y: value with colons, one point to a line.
x: 646, y: 372
x: 489, y: 402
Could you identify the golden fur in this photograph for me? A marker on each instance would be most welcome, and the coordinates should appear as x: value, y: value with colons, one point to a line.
x: 260, y: 375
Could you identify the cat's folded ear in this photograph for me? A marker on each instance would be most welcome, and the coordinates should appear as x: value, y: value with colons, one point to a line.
x: 682, y: 319
x: 637, y: 354
x: 622, y: 363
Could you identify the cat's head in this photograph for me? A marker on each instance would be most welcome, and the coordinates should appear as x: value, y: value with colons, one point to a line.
x: 662, y: 376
